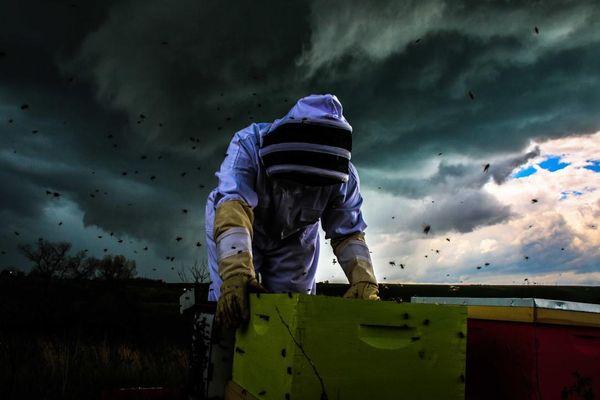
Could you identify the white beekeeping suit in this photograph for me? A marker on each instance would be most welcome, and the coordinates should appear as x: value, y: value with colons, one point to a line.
x: 276, y: 182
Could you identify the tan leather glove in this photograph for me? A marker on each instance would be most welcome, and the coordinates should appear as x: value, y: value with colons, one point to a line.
x: 233, y: 306
x: 353, y: 255
x: 363, y: 290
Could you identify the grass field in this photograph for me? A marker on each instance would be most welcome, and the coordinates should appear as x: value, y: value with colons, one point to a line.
x: 50, y: 367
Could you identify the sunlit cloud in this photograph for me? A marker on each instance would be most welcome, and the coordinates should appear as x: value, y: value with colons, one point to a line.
x: 551, y: 234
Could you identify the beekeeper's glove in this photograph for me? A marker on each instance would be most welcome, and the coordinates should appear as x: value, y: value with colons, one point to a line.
x: 354, y: 257
x: 233, y: 307
x: 363, y: 290
x: 233, y: 236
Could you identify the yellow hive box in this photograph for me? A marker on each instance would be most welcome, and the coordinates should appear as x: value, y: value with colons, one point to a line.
x: 316, y: 347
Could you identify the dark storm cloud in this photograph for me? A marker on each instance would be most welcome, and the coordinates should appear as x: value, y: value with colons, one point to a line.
x: 503, y: 169
x: 199, y: 71
x: 196, y: 68
x: 460, y: 211
x: 71, y: 142
x: 20, y: 195
x: 450, y: 178
x: 464, y: 213
x: 410, y: 100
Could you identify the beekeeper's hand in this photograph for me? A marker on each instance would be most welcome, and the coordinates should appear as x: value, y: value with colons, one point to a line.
x: 353, y: 255
x: 233, y: 307
x: 233, y: 233
x: 363, y: 290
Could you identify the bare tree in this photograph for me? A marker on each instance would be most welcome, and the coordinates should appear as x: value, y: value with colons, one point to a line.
x: 114, y: 267
x: 182, y: 273
x: 49, y: 259
x: 80, y: 266
x: 198, y: 272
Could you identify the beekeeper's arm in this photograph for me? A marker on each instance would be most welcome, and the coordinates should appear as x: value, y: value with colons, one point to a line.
x: 344, y: 226
x: 233, y: 231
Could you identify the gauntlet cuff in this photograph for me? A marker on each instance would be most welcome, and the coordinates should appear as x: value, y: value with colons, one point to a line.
x: 233, y: 236
x: 353, y: 255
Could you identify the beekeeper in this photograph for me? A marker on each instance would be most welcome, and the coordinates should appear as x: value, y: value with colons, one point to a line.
x: 276, y: 182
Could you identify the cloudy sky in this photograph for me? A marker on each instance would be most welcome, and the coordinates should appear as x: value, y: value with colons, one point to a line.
x: 126, y: 107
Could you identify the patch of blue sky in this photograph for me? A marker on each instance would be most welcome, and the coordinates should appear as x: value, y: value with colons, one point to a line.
x: 524, y: 172
x: 564, y: 195
x: 594, y: 165
x: 553, y: 163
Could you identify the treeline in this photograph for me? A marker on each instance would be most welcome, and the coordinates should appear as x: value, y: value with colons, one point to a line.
x: 53, y: 260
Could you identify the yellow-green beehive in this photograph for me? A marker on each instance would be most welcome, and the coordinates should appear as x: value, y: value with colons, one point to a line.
x: 316, y: 347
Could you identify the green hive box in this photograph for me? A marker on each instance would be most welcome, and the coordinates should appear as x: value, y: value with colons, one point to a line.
x: 316, y: 347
